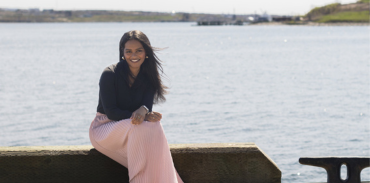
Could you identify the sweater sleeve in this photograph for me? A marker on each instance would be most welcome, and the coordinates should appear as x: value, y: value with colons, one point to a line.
x: 148, y: 99
x: 108, y: 97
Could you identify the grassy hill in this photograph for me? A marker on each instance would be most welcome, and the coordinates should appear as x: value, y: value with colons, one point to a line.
x: 336, y: 12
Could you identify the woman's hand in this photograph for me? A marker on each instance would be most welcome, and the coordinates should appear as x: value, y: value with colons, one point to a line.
x: 153, y: 116
x: 138, y: 116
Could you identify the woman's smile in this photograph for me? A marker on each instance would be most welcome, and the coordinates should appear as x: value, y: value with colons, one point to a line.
x: 134, y: 54
x: 135, y: 60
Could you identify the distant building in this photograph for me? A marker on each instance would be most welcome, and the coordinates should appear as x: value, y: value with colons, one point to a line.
x: 34, y: 10
x: 259, y: 18
x: 234, y: 17
x: 282, y: 18
x: 68, y: 13
x: 48, y: 11
x: 265, y: 18
x: 185, y: 17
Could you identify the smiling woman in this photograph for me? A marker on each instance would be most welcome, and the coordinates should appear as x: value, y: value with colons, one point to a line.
x: 125, y: 127
x: 135, y: 55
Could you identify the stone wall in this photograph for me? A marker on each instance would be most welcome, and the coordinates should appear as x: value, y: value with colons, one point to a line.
x: 196, y: 163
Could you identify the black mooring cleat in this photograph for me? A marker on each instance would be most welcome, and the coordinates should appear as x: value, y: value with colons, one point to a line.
x: 332, y: 166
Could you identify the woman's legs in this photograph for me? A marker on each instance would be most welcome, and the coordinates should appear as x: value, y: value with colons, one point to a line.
x: 143, y: 149
x: 110, y: 137
x: 149, y: 152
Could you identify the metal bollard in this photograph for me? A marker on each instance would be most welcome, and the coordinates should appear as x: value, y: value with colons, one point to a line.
x: 332, y: 166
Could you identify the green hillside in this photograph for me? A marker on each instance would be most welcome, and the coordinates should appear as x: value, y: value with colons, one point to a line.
x: 348, y: 16
x: 336, y: 12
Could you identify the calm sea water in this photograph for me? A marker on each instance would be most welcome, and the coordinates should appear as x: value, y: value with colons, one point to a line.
x: 295, y: 91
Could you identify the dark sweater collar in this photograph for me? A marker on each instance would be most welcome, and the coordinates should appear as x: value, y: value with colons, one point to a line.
x: 123, y: 70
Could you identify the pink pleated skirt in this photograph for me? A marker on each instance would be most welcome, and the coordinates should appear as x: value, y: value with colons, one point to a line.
x: 142, y: 149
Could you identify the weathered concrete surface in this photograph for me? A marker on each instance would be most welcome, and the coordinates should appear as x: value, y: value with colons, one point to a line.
x: 196, y: 163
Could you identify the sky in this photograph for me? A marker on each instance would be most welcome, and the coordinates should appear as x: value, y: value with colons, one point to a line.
x: 281, y: 7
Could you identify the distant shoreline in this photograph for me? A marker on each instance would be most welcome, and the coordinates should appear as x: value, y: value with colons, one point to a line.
x: 355, y: 14
x: 254, y: 24
x: 313, y: 24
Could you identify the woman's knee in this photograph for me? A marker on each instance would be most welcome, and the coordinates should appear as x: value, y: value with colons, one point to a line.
x: 152, y: 128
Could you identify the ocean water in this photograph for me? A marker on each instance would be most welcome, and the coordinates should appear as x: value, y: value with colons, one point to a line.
x: 295, y: 91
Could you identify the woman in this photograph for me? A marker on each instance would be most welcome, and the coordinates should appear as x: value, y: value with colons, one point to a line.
x: 125, y: 127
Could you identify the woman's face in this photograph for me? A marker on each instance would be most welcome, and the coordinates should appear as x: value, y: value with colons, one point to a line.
x: 134, y: 54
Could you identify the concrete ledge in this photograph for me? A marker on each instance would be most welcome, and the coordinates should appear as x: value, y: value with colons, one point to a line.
x: 196, y: 163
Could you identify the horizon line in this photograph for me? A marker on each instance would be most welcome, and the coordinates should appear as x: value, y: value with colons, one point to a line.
x: 173, y: 12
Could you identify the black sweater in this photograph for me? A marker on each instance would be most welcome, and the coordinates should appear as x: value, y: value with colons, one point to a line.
x: 116, y: 98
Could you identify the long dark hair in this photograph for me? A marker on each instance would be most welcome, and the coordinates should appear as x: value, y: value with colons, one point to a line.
x: 151, y: 67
